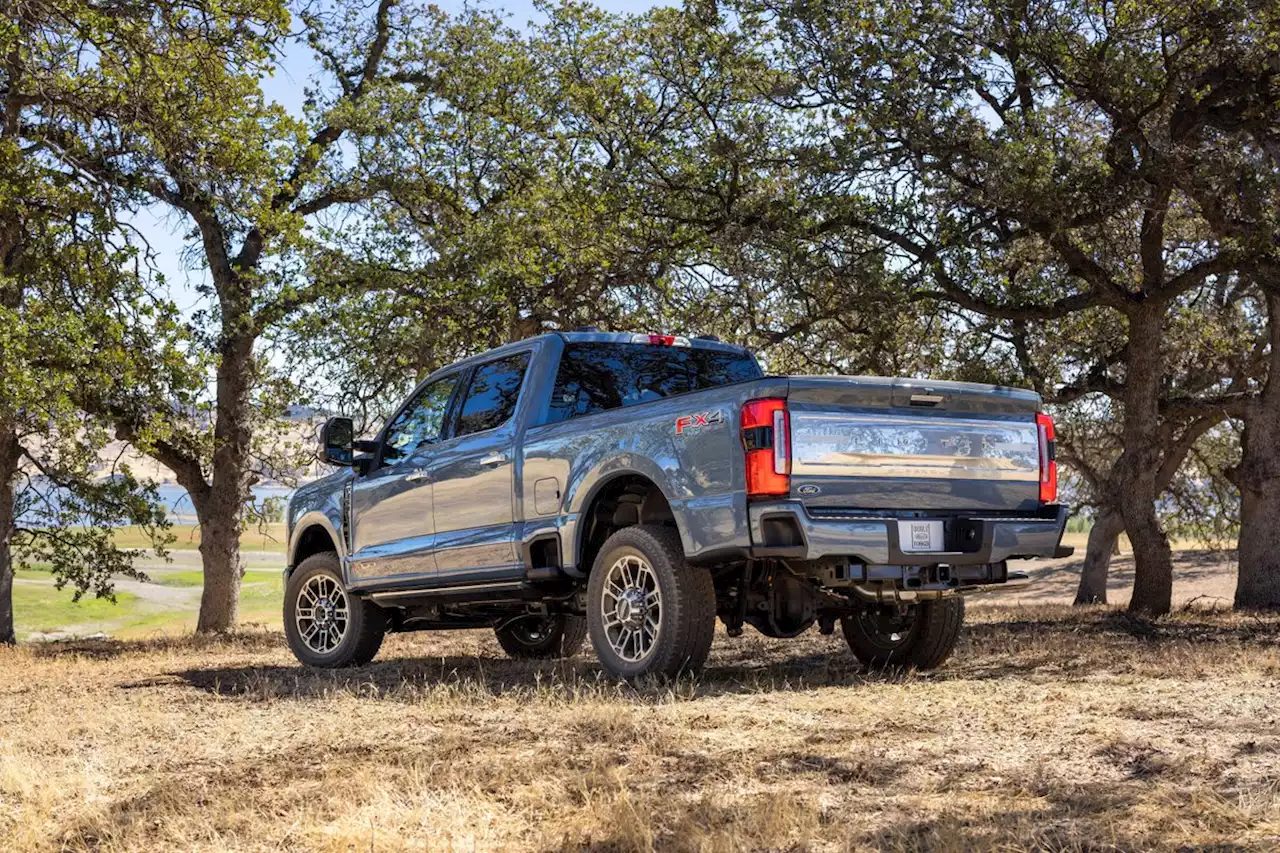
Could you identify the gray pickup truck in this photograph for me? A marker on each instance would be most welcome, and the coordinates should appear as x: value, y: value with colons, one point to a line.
x: 633, y: 487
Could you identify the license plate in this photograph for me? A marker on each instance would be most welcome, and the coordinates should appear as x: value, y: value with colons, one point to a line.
x: 920, y: 535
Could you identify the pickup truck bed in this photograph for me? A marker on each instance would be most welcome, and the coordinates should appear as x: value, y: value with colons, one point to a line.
x: 500, y: 493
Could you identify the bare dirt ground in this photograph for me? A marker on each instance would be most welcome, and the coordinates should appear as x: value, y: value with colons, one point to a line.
x: 1201, y: 577
x: 1050, y: 729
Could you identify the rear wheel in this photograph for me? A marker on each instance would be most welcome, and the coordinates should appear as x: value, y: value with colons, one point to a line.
x: 559, y: 636
x: 324, y: 624
x: 648, y: 612
x: 919, y: 635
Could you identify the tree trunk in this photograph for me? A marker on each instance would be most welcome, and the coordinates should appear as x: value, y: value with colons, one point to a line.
x: 1258, y: 478
x: 9, y: 456
x: 221, y: 508
x: 8, y: 636
x: 1136, y: 486
x: 223, y: 569
x: 1103, y: 539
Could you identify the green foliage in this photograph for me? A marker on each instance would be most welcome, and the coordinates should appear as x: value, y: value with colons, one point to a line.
x: 970, y: 189
x: 69, y: 295
x: 589, y: 170
x: 1044, y: 175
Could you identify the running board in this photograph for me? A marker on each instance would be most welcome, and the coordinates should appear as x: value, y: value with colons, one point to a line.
x: 463, y: 592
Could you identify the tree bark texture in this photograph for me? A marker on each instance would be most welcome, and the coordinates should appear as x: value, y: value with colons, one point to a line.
x: 1258, y: 478
x: 220, y: 510
x: 1103, y: 538
x: 1137, y: 482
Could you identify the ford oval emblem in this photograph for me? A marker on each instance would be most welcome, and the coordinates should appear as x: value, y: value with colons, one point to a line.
x: 808, y: 490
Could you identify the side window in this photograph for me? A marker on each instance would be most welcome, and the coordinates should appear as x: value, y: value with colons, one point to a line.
x: 588, y: 381
x: 491, y: 397
x: 418, y: 423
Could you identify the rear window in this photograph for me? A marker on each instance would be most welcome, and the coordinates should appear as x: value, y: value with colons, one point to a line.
x: 596, y: 377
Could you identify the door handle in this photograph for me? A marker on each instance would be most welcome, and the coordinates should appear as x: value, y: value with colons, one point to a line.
x: 415, y: 475
x: 494, y: 459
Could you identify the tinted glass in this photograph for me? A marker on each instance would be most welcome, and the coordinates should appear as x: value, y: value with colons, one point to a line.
x: 420, y: 422
x: 598, y: 377
x: 492, y: 395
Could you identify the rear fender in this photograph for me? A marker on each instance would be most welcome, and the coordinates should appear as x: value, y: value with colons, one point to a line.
x: 587, y: 488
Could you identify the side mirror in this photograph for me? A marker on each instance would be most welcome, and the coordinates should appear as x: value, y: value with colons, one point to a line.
x: 337, y: 438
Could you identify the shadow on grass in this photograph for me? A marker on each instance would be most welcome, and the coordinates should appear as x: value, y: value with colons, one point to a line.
x: 1044, y: 648
x: 1038, y: 644
x: 1187, y: 627
x: 628, y: 816
x: 107, y: 648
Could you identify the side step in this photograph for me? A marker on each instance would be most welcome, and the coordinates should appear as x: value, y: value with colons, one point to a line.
x: 497, y: 591
x: 544, y: 573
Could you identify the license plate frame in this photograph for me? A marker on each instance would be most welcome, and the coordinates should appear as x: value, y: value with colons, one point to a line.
x: 920, y: 536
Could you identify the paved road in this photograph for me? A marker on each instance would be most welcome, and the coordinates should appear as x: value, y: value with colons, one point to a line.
x: 176, y: 597
x: 171, y: 597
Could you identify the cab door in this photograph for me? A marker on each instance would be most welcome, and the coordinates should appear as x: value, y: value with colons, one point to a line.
x: 474, y: 477
x: 393, y: 525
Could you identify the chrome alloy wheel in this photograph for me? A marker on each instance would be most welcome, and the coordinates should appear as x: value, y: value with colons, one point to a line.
x: 632, y: 608
x: 321, y: 614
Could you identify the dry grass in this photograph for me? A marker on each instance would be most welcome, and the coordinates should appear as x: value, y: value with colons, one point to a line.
x: 1051, y: 729
x: 259, y: 538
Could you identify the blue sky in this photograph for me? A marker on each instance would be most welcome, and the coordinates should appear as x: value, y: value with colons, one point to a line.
x: 166, y: 231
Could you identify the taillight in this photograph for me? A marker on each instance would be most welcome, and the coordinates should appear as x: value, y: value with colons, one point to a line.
x: 766, y: 438
x: 1048, y: 459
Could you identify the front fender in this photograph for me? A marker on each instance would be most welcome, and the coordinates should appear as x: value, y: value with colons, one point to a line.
x: 308, y: 521
x: 316, y: 507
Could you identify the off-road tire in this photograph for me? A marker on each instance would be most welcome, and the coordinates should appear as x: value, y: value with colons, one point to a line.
x: 562, y: 637
x: 926, y: 644
x: 366, y: 623
x: 687, y: 613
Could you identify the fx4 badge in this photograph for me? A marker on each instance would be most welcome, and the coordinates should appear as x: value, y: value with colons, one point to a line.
x: 693, y: 423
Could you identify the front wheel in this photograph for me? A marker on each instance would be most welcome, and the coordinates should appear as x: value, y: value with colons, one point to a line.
x: 532, y: 636
x: 648, y: 612
x: 918, y: 635
x: 326, y: 626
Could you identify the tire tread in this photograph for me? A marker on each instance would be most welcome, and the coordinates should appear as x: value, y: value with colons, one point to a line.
x: 933, y: 638
x: 692, y: 601
x: 941, y: 631
x: 371, y: 622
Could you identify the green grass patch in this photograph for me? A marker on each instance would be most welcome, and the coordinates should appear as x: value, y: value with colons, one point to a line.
x: 40, y: 608
x: 43, y: 609
x: 35, y: 573
x: 195, y: 577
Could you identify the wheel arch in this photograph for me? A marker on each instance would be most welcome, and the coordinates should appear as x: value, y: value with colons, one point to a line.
x: 624, y: 497
x: 313, y: 533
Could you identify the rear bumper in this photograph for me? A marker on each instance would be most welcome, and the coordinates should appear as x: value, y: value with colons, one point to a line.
x: 786, y: 529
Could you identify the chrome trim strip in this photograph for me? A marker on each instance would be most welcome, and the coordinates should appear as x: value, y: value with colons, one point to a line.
x: 923, y: 446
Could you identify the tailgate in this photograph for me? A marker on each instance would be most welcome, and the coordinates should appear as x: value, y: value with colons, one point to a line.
x: 883, y: 444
